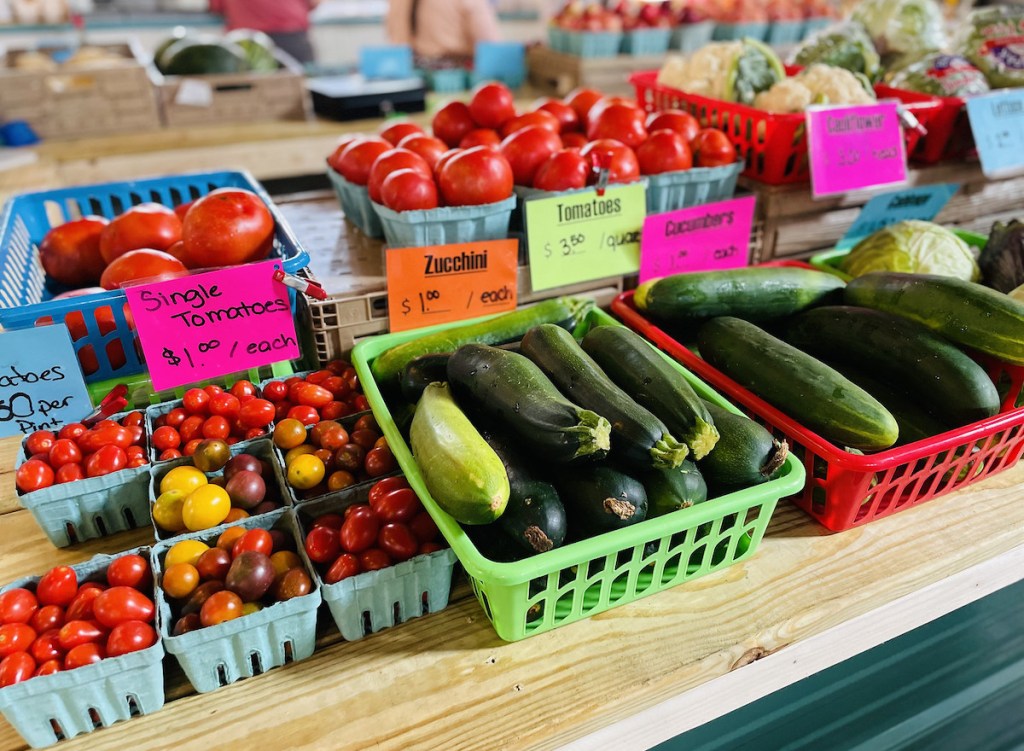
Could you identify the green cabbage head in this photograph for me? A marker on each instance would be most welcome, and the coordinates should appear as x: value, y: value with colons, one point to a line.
x: 913, y: 247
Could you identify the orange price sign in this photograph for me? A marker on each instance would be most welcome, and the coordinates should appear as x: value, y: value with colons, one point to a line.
x: 445, y: 283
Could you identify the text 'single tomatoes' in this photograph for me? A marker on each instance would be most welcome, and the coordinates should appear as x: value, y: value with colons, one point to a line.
x: 228, y: 226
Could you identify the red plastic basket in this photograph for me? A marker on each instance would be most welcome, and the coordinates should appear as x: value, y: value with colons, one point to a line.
x: 773, y: 145
x: 845, y: 490
x: 949, y: 133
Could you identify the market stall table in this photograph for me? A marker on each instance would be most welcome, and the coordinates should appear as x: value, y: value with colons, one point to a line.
x: 633, y: 676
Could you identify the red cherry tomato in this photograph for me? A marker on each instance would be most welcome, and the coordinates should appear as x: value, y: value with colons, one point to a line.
x: 429, y: 547
x: 476, y: 176
x: 398, y: 541
x: 400, y: 505
x: 393, y: 132
x: 255, y: 413
x: 196, y: 401
x: 130, y: 570
x: 148, y: 225
x: 48, y: 668
x: 344, y: 566
x: 64, y: 451
x: 73, y: 633
x: 33, y: 475
x: 213, y: 389
x: 491, y: 105
x: 58, y: 586
x: 40, y: 442
x: 46, y: 618
x: 527, y: 149
x: 108, y: 459
x: 305, y: 415
x: 359, y: 509
x: 452, y: 122
x: 165, y: 438
x: 176, y: 417
x: 664, y: 151
x: 323, y: 544
x: 130, y: 636
x: 334, y: 521
x: 538, y: 119
x: 169, y: 454
x: 69, y: 473
x: 153, y: 265
x: 311, y: 395
x: 47, y: 646
x: 227, y: 226
x: 216, y: 427
x: 119, y: 604
x: 423, y: 527
x: 712, y: 148
x: 225, y: 405
x: 191, y: 428
x: 72, y: 430
x: 15, y: 668
x: 81, y: 608
x: 681, y: 122
x: 258, y: 540
x: 359, y: 532
x: 106, y: 434
x: 82, y: 655
x: 242, y: 388
x: 379, y: 461
x: 219, y: 607
x: 190, y: 448
x: 382, y: 487
x: 275, y: 391
x: 358, y: 157
x: 619, y: 159
x: 374, y: 559
x: 17, y: 605
x: 70, y: 252
x: 408, y: 190
x: 16, y: 637
x: 391, y: 161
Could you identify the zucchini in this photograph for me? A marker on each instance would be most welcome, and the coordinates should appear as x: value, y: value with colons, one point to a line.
x: 943, y: 380
x: 758, y: 293
x: 425, y: 369
x: 803, y: 387
x: 565, y: 311
x: 508, y: 387
x: 746, y: 454
x: 963, y: 312
x: 669, y: 490
x: 463, y: 474
x: 600, y: 499
x: 638, y: 438
x: 641, y: 371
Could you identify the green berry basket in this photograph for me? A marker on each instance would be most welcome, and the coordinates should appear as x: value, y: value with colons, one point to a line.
x: 785, y: 32
x: 356, y: 205
x: 50, y: 708
x: 446, y: 224
x: 690, y: 37
x: 727, y: 32
x: 685, y: 188
x: 584, y: 578
x: 653, y: 41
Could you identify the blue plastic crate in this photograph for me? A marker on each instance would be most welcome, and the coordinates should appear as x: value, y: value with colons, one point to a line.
x: 446, y: 224
x: 447, y: 80
x: 26, y: 294
x: 593, y: 43
x: 680, y: 190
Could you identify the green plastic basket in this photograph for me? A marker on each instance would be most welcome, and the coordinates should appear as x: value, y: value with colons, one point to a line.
x: 829, y: 260
x: 584, y: 578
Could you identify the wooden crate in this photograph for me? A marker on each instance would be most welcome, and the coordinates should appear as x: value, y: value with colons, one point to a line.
x: 558, y: 73
x: 70, y: 102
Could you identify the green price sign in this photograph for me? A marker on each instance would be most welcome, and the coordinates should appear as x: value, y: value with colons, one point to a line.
x: 578, y: 237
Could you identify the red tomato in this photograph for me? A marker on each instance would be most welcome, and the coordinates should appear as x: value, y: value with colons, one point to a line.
x: 398, y: 541
x: 48, y: 668
x: 225, y: 405
x: 105, y: 461
x: 275, y: 391
x: 600, y: 106
x: 69, y: 473
x: 491, y: 105
x: 214, y: 564
x: 17, y: 605
x: 70, y: 252
x: 409, y: 190
x: 130, y: 570
x: 148, y: 225
x: 47, y: 617
x: 242, y: 389
x: 527, y: 149
x: 344, y: 566
x: 681, y: 122
x: 305, y: 415
x: 664, y: 151
x: 391, y: 161
x: 196, y: 401
x: 15, y: 668
x: 219, y: 607
x: 227, y: 226
x: 619, y: 159
x: 258, y: 540
x: 423, y: 527
x: 452, y: 122
x: 540, y: 119
x: 216, y: 427
x: 119, y: 604
x: 480, y: 137
x: 182, y: 208
x: 134, y: 265
x: 360, y: 509
x: 426, y: 548
x: 581, y: 100
x: 323, y: 544
x: 359, y: 532
x: 255, y: 413
x: 175, y: 417
x: 712, y: 148
x: 334, y: 521
x: 563, y: 170
x: 401, y: 505
x: 40, y: 442
x: 58, y: 586
x: 191, y: 428
x: 382, y: 487
x: 16, y: 637
x: 47, y: 646
x: 568, y: 120
x: 169, y: 454
x: 72, y: 430
x: 190, y: 448
x: 374, y: 559
x: 33, y: 475
x: 73, y: 633
x: 334, y: 160
x: 393, y: 132
x: 82, y: 655
x: 428, y: 147
x: 379, y: 461
x: 130, y: 636
x: 623, y: 122
x: 356, y: 160
x: 106, y: 433
x: 311, y: 395
x: 165, y: 438
x: 81, y: 608
x: 476, y: 176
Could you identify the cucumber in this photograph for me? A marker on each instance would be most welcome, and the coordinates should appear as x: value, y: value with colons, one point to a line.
x: 565, y: 311
x: 638, y: 438
x: 963, y: 312
x: 942, y: 379
x: 420, y: 372
x: 746, y: 454
x: 601, y: 499
x: 757, y: 293
x: 803, y: 387
x: 508, y: 387
x: 637, y: 368
x: 669, y: 490
x: 463, y: 474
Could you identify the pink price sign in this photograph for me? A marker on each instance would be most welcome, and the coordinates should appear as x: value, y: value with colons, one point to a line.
x: 852, y: 148
x: 206, y: 325
x: 701, y: 238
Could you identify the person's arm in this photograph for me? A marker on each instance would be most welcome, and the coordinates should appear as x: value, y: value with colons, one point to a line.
x: 483, y: 21
x: 396, y: 22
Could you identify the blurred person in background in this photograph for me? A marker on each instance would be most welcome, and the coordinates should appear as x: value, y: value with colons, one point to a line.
x: 284, y: 21
x: 441, y: 32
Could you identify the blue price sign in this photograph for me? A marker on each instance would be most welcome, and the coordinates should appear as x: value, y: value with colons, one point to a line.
x: 922, y: 203
x: 389, y: 61
x: 998, y: 123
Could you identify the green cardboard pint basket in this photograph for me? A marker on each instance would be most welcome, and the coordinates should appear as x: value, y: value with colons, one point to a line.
x: 446, y: 224
x: 728, y: 32
x: 584, y: 578
x: 356, y: 205
x: 690, y: 37
x: 682, y: 189
x: 653, y: 41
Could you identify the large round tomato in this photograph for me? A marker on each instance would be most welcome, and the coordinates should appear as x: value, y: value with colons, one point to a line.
x: 712, y: 148
x: 70, y: 252
x: 527, y: 149
x: 492, y: 105
x: 409, y: 190
x: 428, y: 147
x: 566, y: 170
x: 392, y: 161
x: 148, y: 225
x: 581, y: 100
x: 475, y: 176
x: 664, y: 151
x: 681, y: 122
x: 567, y: 118
x: 601, y: 104
x: 480, y: 137
x: 228, y: 226
x: 394, y: 131
x: 540, y: 118
x: 334, y: 160
x: 141, y: 264
x: 623, y: 122
x: 357, y: 158
x: 616, y: 157
x: 452, y: 122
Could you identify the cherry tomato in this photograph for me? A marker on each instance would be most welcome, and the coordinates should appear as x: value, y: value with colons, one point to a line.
x: 130, y: 636
x: 427, y: 548
x: 196, y: 401
x: 72, y: 430
x: 81, y: 608
x: 227, y: 538
x: 216, y: 427
x: 537, y: 119
x: 83, y: 654
x: 227, y: 226
x: 292, y: 583
x: 108, y: 459
x: 70, y: 252
x: 119, y: 604
x: 382, y: 487
x: 401, y: 505
x: 359, y: 532
x: 491, y: 105
x: 398, y: 541
x: 15, y: 668
x: 334, y: 410
x: 180, y: 580
x: 48, y: 668
x: 361, y: 403
x: 258, y: 540
x: 40, y: 442
x: 165, y: 438
x: 190, y: 448
x: 213, y: 564
x: 563, y: 170
x: 664, y: 151
x: 332, y: 440
x: 135, y: 452
x: 340, y: 480
x: 242, y: 388
x: 73, y: 633
x: 225, y: 405
x: 334, y: 521
x: 175, y: 417
x: 366, y: 422
x: 304, y: 414
x: 344, y: 566
x: 275, y: 391
x: 187, y: 623
x: 130, y: 570
x: 364, y: 438
x: 681, y: 122
x: 194, y: 603
x: 47, y: 617
x: 712, y: 148
x: 374, y: 559
x: 423, y: 527
x: 33, y: 475
x: 213, y: 389
x: 169, y: 454
x: 191, y: 428
x: 16, y: 637
x: 408, y: 190
x: 133, y: 419
x: 616, y: 157
x: 58, y: 586
x: 360, y: 509
x: 310, y: 395
x: 323, y: 544
x: 148, y: 225
x: 69, y: 473
x: 47, y: 646
x: 379, y: 461
x: 255, y: 413
x: 220, y: 607
x: 134, y: 265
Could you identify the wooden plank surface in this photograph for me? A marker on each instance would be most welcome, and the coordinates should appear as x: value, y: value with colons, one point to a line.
x: 446, y: 681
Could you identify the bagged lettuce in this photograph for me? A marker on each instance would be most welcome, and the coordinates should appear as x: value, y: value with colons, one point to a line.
x: 901, y: 26
x: 844, y: 45
x: 731, y: 71
x: 912, y: 247
x: 938, y: 74
x: 993, y: 39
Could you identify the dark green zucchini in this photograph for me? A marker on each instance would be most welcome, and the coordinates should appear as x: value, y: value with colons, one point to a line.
x: 758, y: 293
x: 493, y: 543
x: 508, y: 387
x: 941, y: 378
x: 746, y: 453
x: 639, y: 438
x: 641, y: 371
x: 421, y: 371
x: 799, y: 385
x: 669, y: 490
x: 600, y: 499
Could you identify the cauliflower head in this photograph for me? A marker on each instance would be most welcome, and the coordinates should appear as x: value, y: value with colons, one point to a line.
x: 705, y: 72
x: 818, y: 84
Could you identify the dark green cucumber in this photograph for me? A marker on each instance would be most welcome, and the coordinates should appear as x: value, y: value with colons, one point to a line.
x: 799, y: 385
x: 640, y: 370
x: 564, y: 311
x: 508, y: 387
x: 600, y: 499
x: 493, y: 543
x: 963, y: 312
x: 754, y: 293
x: 669, y: 490
x: 421, y: 371
x: 942, y: 379
x: 746, y: 453
x: 638, y: 437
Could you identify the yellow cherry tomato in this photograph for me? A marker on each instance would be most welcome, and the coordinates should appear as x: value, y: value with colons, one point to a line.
x: 206, y: 507
x: 167, y: 511
x: 295, y: 453
x: 251, y: 607
x: 184, y: 478
x: 186, y: 551
x: 283, y: 560
x: 306, y: 472
x: 289, y: 433
x: 180, y: 579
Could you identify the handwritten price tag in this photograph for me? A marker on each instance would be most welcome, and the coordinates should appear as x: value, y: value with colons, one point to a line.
x: 444, y: 283
x: 206, y: 325
x: 998, y: 123
x: 41, y: 383
x: 922, y: 203
x: 582, y: 236
x: 853, y: 148
x: 700, y: 238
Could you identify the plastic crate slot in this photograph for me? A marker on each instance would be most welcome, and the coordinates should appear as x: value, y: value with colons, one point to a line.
x: 256, y: 662
x: 591, y: 597
x: 396, y: 613
x: 71, y: 532
x: 133, y: 705
x: 671, y: 569
x: 222, y: 674
x: 721, y: 552
x: 101, y: 527
x: 117, y: 206
x: 129, y: 518
x: 425, y: 603
x: 58, y: 731
x: 367, y: 623
x: 289, y: 651
x: 94, y: 717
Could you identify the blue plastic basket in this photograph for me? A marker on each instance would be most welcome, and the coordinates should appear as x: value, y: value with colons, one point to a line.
x: 690, y: 37
x: 356, y: 205
x: 679, y: 190
x: 727, y: 32
x: 447, y: 80
x: 26, y: 294
x: 652, y: 41
x: 115, y: 688
x: 785, y: 32
x: 446, y: 224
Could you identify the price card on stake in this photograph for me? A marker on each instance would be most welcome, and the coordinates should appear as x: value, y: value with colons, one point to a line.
x: 857, y: 147
x: 41, y: 383
x: 581, y: 236
x: 445, y: 283
x: 997, y: 121
x: 922, y: 203
x: 701, y: 238
x: 205, y: 325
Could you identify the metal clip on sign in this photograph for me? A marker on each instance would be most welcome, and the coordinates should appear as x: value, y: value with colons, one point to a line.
x: 908, y: 121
